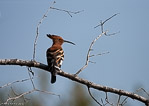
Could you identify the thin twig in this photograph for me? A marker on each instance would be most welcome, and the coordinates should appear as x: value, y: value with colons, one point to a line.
x: 102, y: 23
x: 28, y: 92
x: 25, y: 99
x: 102, y: 102
x: 118, y: 102
x: 112, y: 34
x: 124, y: 101
x: 37, y: 30
x: 99, y: 54
x: 68, y: 12
x: 23, y: 80
x: 107, y: 100
x: 143, y: 91
x: 93, y: 96
x: 47, y: 92
x: 92, y: 62
x: 14, y: 92
x: 88, y: 53
x: 16, y: 97
x: 30, y: 70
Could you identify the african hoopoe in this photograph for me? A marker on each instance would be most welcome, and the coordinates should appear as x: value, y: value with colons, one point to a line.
x: 55, y: 55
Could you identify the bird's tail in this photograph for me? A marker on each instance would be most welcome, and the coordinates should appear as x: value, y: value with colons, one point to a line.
x: 53, y: 73
x: 53, y: 78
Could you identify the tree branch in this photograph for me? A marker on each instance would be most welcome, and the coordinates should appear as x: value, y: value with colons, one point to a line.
x: 88, y: 53
x: 143, y: 91
x: 23, y: 80
x: 28, y: 92
x: 68, y: 12
x: 37, y: 30
x: 93, y: 97
x: 74, y: 78
x: 103, y: 22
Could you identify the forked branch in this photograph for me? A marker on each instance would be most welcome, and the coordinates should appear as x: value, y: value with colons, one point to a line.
x: 88, y: 53
x: 103, y: 22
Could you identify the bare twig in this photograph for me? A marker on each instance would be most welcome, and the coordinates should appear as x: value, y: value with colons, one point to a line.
x: 102, y: 23
x: 92, y: 62
x: 16, y: 97
x: 143, y: 91
x: 93, y: 96
x: 99, y: 54
x: 124, y: 101
x: 68, y: 12
x: 30, y: 70
x: 118, y: 102
x: 102, y: 102
x: 37, y: 30
x: 25, y: 99
x: 23, y: 80
x: 107, y: 100
x: 43, y: 91
x: 112, y: 34
x: 88, y: 53
x: 28, y: 92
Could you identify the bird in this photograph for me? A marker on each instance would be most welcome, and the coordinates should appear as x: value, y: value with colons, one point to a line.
x: 55, y: 55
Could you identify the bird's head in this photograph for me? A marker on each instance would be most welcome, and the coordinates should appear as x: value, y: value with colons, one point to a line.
x: 58, y: 40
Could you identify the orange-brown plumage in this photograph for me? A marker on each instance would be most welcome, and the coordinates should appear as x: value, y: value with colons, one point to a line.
x: 55, y: 55
x: 57, y: 40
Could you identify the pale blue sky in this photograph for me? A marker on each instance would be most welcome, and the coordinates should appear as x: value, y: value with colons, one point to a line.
x: 124, y: 67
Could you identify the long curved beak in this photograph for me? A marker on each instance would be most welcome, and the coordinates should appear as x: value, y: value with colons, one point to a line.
x: 69, y: 42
